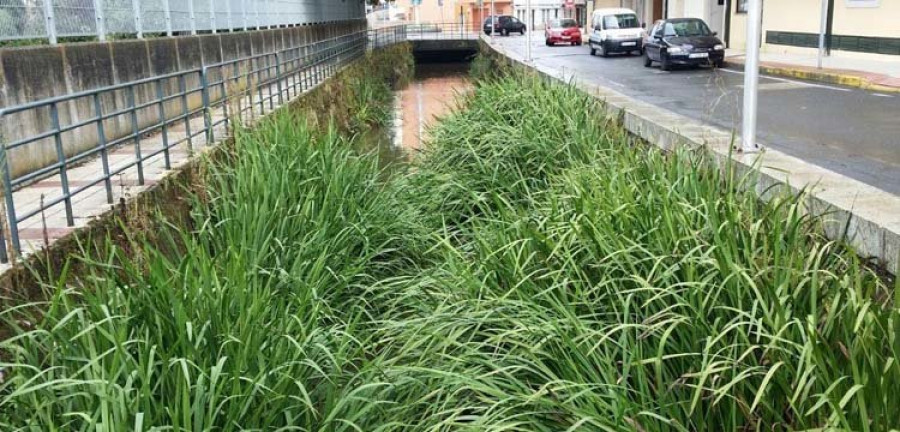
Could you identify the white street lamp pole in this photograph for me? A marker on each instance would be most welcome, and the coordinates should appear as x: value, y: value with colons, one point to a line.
x: 822, y: 27
x: 751, y: 77
x: 493, y: 20
x: 528, y: 30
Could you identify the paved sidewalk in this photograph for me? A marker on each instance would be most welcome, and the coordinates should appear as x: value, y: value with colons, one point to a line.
x: 870, y: 74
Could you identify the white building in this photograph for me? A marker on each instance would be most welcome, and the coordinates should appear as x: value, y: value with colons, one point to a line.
x: 545, y: 10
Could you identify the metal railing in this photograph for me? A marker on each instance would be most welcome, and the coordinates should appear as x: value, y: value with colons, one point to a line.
x: 53, y: 19
x: 441, y: 31
x: 221, y: 93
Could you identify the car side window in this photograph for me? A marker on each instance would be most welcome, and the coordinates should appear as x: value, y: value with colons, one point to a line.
x: 655, y: 31
x: 669, y: 30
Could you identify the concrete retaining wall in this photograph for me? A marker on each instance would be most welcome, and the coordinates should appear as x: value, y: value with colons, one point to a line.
x: 34, y: 73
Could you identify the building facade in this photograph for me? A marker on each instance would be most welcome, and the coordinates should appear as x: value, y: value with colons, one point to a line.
x: 854, y: 28
x: 545, y: 10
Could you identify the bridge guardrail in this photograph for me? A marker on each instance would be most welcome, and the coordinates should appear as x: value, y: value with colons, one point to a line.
x: 216, y: 92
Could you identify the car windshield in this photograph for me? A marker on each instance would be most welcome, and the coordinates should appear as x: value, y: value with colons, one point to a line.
x: 620, y: 21
x: 564, y: 23
x: 687, y: 28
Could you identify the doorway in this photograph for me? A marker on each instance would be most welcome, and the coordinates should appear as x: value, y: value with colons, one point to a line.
x: 657, y: 13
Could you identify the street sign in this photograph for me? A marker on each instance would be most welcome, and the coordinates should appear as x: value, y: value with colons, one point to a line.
x: 570, y: 4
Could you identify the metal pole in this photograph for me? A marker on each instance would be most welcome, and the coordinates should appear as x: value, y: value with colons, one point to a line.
x: 751, y: 77
x: 822, y: 29
x: 228, y: 14
x: 493, y: 20
x: 192, y: 17
x: 528, y: 30
x: 244, y: 12
x: 136, y: 8
x: 50, y: 15
x: 212, y: 16
x: 167, y: 13
x: 98, y: 16
x: 480, y: 17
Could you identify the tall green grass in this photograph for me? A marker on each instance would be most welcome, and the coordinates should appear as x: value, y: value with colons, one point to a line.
x: 535, y: 270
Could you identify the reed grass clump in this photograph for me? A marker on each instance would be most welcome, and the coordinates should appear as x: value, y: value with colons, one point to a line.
x: 535, y: 270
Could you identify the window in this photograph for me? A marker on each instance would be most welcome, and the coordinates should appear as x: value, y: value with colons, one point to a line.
x: 742, y: 6
x: 620, y: 21
x: 863, y: 3
x: 567, y: 23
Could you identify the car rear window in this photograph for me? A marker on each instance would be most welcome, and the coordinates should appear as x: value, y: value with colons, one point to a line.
x: 620, y: 21
x: 567, y: 23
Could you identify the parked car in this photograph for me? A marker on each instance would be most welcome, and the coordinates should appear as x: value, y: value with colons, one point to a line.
x: 683, y: 41
x: 563, y: 30
x: 504, y: 24
x: 615, y: 30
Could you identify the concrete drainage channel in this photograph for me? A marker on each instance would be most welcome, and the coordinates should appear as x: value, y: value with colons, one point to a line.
x: 867, y: 216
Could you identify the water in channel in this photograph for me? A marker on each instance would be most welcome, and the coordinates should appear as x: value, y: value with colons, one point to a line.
x: 430, y: 95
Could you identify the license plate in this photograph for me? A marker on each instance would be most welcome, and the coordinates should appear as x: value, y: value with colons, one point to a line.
x: 629, y: 43
x: 567, y: 37
x: 699, y: 55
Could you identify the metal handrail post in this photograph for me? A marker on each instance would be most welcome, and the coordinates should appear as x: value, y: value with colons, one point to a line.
x: 161, y: 108
x: 207, y: 115
x: 278, y: 78
x: 11, y: 219
x: 104, y: 152
x: 61, y: 159
x: 185, y: 109
x: 135, y: 127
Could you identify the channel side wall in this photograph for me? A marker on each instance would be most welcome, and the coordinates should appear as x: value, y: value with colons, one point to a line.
x: 30, y: 74
x: 865, y: 216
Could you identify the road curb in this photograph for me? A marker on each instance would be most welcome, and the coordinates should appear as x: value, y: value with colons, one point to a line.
x: 846, y: 79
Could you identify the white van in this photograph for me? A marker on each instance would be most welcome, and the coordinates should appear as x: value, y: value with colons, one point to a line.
x: 615, y: 30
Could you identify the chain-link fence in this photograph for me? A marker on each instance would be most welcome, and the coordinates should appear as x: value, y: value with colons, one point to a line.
x: 53, y: 19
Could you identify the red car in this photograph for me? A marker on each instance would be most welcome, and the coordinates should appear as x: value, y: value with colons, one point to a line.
x: 563, y: 30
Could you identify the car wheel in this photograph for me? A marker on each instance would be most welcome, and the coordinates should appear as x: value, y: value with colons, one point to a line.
x: 720, y: 64
x: 522, y: 31
x: 664, y: 63
x: 603, y: 51
x: 578, y: 43
x: 593, y: 50
x: 647, y: 61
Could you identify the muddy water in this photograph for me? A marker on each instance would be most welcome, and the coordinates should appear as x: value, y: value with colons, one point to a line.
x: 431, y: 95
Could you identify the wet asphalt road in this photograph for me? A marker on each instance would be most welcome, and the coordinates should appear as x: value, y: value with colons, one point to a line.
x: 850, y: 131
